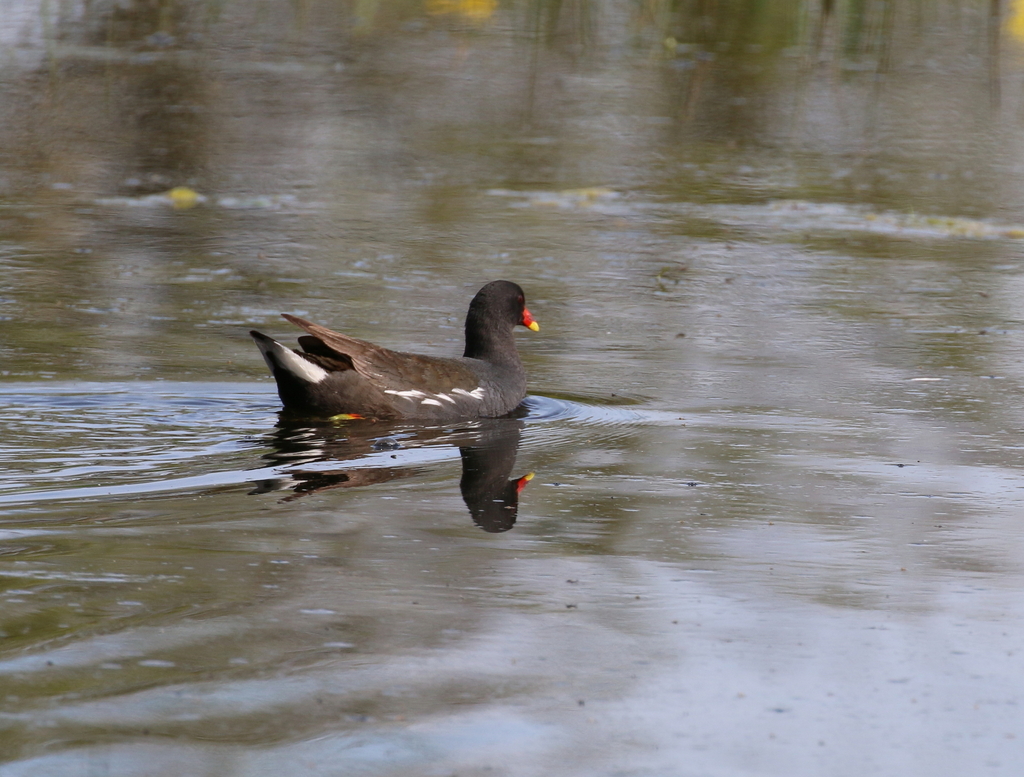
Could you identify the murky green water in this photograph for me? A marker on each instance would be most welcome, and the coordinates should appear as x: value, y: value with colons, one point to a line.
x: 775, y: 420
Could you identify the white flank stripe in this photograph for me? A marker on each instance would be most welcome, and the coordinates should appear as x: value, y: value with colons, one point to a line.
x: 430, y: 402
x: 477, y: 393
x: 411, y: 394
x: 445, y: 397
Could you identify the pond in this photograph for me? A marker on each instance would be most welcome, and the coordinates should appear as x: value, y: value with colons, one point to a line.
x: 760, y: 512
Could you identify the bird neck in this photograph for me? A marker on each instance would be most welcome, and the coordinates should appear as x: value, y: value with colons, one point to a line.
x: 493, y: 344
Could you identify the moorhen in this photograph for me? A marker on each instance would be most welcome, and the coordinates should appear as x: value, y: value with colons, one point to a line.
x: 337, y: 375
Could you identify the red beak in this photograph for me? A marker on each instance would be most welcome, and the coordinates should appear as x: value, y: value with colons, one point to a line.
x: 529, y: 322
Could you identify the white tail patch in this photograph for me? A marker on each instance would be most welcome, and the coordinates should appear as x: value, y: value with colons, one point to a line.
x: 278, y: 357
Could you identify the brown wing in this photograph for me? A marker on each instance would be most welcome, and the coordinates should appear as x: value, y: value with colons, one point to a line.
x: 389, y: 370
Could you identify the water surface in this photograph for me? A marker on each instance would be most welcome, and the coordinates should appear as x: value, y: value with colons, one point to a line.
x: 774, y: 424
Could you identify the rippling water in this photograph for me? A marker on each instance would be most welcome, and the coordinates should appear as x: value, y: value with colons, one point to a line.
x: 77, y: 441
x: 759, y: 514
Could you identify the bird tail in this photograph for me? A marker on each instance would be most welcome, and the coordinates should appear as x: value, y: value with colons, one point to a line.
x: 280, y: 359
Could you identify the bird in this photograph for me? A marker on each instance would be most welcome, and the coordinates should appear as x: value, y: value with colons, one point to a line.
x: 338, y: 376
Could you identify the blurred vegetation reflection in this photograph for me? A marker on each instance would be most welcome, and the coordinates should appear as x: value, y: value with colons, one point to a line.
x: 170, y: 166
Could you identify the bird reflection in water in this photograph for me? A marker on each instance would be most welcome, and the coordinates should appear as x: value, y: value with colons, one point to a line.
x: 366, y: 453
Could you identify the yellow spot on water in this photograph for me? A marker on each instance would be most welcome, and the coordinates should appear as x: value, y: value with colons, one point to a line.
x: 183, y: 198
x: 474, y: 10
x: 1015, y: 20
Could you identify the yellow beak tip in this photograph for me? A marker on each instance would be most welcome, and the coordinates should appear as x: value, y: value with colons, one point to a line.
x: 534, y: 326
